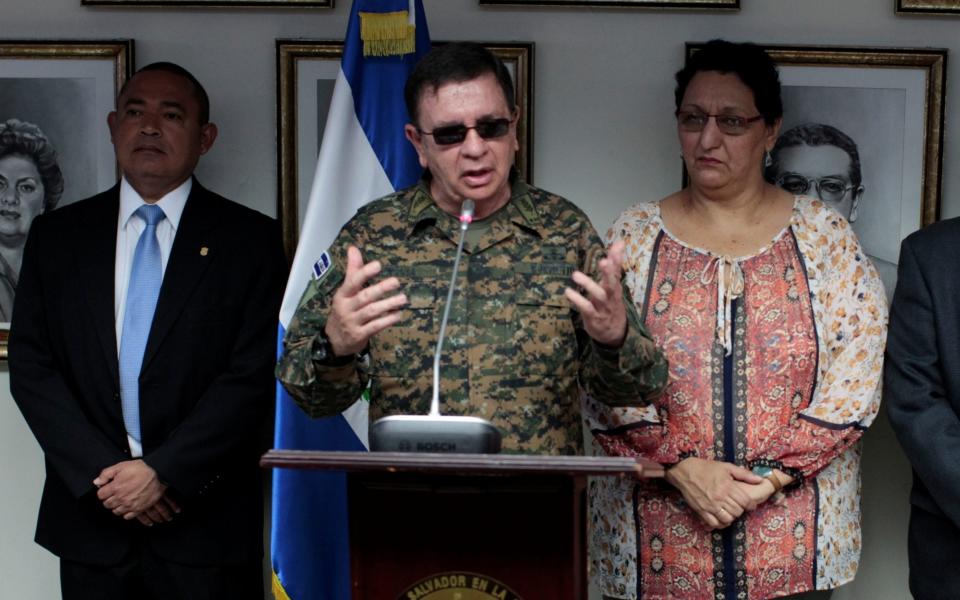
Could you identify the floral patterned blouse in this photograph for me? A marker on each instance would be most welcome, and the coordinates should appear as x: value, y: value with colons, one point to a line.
x: 775, y: 359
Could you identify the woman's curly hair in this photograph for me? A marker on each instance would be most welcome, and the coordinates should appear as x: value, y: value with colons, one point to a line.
x: 25, y: 139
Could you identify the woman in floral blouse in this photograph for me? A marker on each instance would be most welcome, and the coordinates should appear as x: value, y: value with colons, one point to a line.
x: 773, y: 321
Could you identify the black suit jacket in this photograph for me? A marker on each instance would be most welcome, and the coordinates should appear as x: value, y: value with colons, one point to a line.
x: 206, y: 385
x: 922, y: 366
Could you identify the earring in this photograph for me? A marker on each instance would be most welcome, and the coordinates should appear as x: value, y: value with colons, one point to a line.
x: 767, y: 159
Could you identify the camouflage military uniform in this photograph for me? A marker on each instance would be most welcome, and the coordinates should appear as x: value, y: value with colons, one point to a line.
x: 515, y: 348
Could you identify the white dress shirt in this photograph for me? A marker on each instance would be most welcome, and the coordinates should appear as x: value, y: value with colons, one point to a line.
x: 129, y: 228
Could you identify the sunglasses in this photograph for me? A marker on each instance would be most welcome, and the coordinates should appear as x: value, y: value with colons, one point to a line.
x: 488, y: 129
x: 695, y: 121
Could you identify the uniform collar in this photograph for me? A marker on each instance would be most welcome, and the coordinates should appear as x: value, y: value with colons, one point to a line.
x: 520, y: 209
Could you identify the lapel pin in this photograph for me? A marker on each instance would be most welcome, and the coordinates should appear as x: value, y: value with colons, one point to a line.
x: 204, y: 251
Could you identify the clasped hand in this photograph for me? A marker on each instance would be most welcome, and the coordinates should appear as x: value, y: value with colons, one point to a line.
x: 718, y: 492
x: 601, y: 302
x: 132, y: 490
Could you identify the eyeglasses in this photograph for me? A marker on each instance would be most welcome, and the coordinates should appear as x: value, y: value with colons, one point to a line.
x: 694, y: 121
x: 488, y: 129
x: 831, y: 189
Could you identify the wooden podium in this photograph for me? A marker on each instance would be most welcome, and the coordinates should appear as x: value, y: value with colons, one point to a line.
x: 466, y: 526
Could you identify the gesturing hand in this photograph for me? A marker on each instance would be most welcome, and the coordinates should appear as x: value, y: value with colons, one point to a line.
x: 711, y: 488
x: 601, y: 302
x: 359, y: 311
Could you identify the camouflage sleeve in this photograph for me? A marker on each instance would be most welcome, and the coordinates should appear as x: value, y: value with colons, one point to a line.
x: 630, y: 375
x: 319, y: 390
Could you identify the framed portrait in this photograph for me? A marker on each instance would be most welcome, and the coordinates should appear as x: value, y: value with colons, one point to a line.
x: 930, y: 7
x: 863, y: 130
x: 54, y: 143
x: 215, y: 3
x: 661, y: 4
x: 306, y: 73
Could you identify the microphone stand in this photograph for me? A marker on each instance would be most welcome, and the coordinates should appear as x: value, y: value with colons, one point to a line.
x: 434, y: 432
x: 466, y: 217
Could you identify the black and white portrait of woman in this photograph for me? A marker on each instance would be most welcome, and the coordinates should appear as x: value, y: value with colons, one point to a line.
x: 51, y: 135
x: 30, y: 183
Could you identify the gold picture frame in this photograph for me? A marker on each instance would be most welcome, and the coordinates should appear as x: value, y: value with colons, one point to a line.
x: 929, y: 63
x: 929, y: 7
x: 306, y: 71
x: 700, y: 5
x: 215, y: 3
x: 65, y: 88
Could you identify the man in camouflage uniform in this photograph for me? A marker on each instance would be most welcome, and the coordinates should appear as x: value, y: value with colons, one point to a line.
x: 518, y: 339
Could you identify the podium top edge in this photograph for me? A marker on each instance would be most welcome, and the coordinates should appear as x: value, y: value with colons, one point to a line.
x: 462, y: 464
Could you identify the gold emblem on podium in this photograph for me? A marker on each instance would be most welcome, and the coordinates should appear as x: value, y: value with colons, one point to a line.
x: 458, y: 585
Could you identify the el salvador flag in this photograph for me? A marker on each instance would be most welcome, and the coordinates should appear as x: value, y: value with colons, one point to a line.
x: 363, y: 155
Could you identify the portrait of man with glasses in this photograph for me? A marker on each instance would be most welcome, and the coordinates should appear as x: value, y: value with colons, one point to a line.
x: 820, y: 161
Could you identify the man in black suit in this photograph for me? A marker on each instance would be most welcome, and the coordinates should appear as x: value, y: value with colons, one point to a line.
x: 153, y: 488
x: 922, y: 393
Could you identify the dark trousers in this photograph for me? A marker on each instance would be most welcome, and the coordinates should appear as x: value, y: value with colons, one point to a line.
x: 145, y: 576
x: 933, y: 545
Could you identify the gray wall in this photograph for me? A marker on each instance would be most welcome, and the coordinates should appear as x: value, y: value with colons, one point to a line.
x: 604, y: 138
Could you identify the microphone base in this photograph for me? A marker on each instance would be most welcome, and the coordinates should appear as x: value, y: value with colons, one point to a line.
x: 453, y: 435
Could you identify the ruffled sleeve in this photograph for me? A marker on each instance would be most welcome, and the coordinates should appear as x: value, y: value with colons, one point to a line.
x: 850, y: 313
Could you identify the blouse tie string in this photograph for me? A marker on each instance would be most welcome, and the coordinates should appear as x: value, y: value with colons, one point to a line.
x: 729, y: 276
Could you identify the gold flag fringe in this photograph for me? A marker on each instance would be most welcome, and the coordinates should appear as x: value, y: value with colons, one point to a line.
x: 278, y: 592
x: 387, y: 34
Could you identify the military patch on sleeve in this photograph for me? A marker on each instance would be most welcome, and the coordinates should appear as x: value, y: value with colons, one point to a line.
x: 322, y: 266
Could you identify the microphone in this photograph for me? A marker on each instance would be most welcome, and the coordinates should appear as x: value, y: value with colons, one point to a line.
x: 434, y: 432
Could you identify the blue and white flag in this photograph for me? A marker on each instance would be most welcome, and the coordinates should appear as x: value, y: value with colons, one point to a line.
x: 363, y: 155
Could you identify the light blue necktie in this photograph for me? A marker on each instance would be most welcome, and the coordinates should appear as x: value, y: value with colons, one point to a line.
x: 146, y: 274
